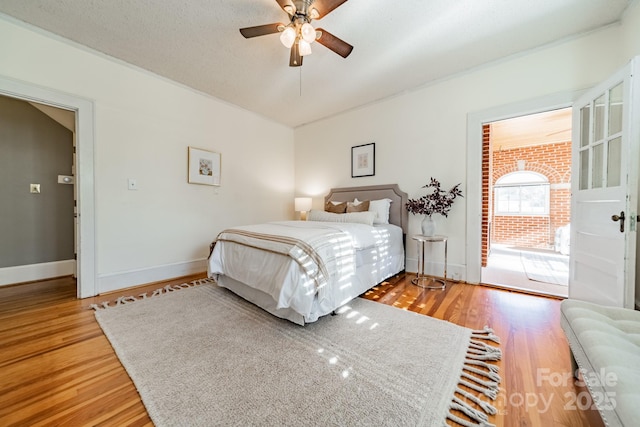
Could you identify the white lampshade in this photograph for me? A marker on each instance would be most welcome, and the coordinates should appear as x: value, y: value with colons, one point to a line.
x: 305, y: 48
x: 308, y: 33
x: 302, y: 204
x: 287, y: 37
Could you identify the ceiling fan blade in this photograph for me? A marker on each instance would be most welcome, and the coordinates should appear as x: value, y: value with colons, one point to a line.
x: 295, y: 60
x: 260, y: 30
x: 337, y: 45
x: 324, y: 7
x: 287, y: 6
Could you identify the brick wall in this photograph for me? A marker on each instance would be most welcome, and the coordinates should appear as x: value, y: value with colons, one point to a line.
x: 523, y: 231
x: 487, y: 196
x: 552, y: 161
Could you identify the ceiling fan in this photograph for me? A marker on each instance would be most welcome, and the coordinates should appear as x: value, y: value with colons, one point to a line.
x: 298, y: 34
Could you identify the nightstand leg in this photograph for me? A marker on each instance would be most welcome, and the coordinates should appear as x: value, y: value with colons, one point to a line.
x: 445, y: 265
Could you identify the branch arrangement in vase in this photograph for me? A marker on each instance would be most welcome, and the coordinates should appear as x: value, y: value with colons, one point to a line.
x: 438, y: 201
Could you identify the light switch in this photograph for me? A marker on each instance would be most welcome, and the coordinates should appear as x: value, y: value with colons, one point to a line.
x: 35, y: 188
x: 132, y: 184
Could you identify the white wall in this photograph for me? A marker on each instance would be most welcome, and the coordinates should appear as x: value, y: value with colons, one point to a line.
x: 424, y: 133
x: 631, y: 30
x: 143, y: 126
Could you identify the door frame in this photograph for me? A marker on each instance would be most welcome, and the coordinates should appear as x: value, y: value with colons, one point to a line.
x: 475, y: 121
x: 85, y: 232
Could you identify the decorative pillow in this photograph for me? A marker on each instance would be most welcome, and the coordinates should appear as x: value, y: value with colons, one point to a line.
x: 359, y: 207
x: 335, y: 208
x: 357, y: 217
x: 381, y: 208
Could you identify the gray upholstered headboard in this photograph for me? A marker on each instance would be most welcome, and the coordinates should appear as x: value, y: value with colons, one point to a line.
x: 398, y: 215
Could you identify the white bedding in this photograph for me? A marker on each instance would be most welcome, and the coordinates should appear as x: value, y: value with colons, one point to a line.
x: 310, y: 268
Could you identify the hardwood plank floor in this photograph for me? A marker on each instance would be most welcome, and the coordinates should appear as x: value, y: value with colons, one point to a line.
x: 58, y: 368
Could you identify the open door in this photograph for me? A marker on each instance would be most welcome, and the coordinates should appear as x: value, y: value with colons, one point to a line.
x: 605, y: 161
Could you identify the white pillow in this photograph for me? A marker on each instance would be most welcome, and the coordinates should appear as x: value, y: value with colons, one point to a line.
x: 357, y: 217
x: 380, y: 208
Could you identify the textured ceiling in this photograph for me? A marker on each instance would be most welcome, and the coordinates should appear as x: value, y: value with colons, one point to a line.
x: 398, y: 45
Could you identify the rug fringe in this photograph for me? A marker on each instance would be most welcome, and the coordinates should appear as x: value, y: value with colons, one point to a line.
x: 491, y: 375
x: 480, y: 376
x: 490, y: 392
x: 485, y: 334
x: 483, y: 351
x: 492, y: 368
x: 165, y: 290
x: 491, y: 385
x: 479, y: 350
x: 464, y: 407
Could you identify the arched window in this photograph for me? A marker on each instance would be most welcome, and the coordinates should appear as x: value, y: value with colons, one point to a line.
x: 522, y: 193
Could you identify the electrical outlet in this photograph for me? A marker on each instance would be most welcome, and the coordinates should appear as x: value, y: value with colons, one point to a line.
x: 132, y: 184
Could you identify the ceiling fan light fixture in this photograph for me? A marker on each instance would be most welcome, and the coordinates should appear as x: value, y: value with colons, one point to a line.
x: 299, y: 34
x: 288, y: 37
x: 308, y: 33
x: 305, y: 47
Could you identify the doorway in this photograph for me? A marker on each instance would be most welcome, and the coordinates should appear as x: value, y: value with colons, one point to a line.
x: 38, y: 211
x: 84, y: 182
x: 526, y: 201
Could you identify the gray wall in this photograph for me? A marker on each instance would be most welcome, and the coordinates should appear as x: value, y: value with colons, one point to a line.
x: 34, y: 228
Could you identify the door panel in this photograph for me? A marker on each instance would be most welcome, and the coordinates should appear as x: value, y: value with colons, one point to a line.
x: 605, y: 169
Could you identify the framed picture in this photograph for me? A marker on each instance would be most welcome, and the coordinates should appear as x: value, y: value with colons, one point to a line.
x: 204, y: 167
x: 363, y: 160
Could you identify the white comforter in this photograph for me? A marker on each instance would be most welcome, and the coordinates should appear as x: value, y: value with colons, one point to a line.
x: 306, y: 266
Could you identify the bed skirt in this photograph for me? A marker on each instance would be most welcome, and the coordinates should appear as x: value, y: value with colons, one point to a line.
x: 369, y: 275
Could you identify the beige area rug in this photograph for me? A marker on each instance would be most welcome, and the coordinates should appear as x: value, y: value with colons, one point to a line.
x: 201, y: 356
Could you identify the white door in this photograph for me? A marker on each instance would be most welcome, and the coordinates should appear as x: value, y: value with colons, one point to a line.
x: 605, y: 191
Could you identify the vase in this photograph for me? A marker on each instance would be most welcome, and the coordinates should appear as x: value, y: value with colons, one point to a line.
x: 428, y: 226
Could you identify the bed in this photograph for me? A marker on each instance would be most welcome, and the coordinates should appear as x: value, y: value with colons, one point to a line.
x: 302, y: 270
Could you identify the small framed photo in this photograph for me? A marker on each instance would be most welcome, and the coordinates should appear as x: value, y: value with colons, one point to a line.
x: 204, y: 167
x: 363, y: 160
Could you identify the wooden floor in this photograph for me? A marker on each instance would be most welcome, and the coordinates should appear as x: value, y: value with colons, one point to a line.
x: 58, y: 368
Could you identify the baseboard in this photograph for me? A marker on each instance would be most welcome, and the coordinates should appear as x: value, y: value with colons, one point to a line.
x: 454, y: 271
x: 31, y: 272
x: 126, y: 279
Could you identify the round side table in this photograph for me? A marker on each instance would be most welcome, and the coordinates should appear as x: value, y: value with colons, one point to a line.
x: 421, y: 279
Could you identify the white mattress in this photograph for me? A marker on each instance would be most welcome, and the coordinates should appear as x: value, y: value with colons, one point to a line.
x: 278, y: 284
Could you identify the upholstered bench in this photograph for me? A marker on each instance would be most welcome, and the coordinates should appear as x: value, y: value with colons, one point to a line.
x: 605, y: 346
